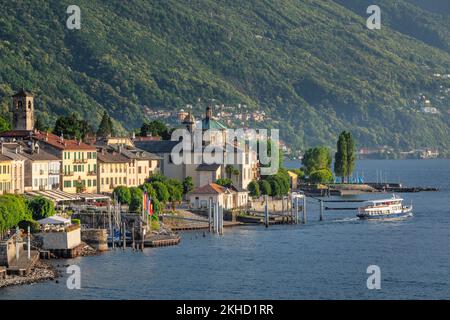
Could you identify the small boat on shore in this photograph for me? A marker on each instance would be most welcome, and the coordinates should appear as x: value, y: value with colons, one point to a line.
x: 392, y: 208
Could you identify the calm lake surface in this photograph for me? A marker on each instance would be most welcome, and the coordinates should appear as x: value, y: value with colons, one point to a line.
x: 320, y: 260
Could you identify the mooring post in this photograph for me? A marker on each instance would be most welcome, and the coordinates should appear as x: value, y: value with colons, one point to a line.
x: 290, y: 200
x: 217, y: 218
x: 266, y: 212
x: 29, y: 244
x: 296, y: 210
x: 321, y: 210
x: 304, y: 210
x: 209, y: 214
x: 132, y: 235
x: 221, y: 220
x: 124, y: 237
x: 17, y: 244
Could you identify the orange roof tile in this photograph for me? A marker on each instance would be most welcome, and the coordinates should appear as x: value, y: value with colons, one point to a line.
x: 62, y: 144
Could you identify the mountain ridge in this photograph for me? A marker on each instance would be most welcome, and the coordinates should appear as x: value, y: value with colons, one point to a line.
x: 313, y: 66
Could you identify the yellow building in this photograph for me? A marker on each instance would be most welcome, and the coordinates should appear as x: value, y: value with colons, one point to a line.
x: 78, y: 162
x: 112, y: 170
x: 5, y: 174
x: 121, y: 165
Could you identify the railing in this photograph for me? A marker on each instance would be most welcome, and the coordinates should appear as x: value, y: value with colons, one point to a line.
x: 80, y: 161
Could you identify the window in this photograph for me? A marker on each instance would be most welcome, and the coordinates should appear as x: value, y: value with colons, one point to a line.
x: 89, y: 183
x: 94, y: 183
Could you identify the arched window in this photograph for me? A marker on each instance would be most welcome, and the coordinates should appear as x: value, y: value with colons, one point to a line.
x: 29, y: 105
x: 19, y: 104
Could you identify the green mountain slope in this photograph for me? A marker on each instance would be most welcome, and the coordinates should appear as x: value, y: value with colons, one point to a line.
x: 312, y: 65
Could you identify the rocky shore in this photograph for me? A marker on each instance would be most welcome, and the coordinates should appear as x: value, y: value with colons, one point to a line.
x: 41, y: 272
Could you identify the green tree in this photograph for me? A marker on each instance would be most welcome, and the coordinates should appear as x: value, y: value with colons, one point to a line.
x: 4, y: 124
x: 253, y: 188
x: 147, y: 187
x: 105, y: 127
x: 224, y: 182
x: 188, y: 185
x: 316, y: 159
x: 321, y: 176
x: 13, y: 209
x: 162, y: 193
x: 72, y: 127
x: 155, y: 128
x: 340, y: 157
x: 351, y: 156
x: 264, y: 187
x: 122, y: 194
x: 136, y: 199
x: 41, y: 208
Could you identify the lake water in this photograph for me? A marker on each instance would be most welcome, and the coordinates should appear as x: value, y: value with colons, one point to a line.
x: 320, y: 260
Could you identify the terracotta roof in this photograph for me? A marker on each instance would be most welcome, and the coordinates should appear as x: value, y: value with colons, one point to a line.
x: 212, y: 188
x: 16, y: 134
x: 26, y: 151
x: 62, y: 144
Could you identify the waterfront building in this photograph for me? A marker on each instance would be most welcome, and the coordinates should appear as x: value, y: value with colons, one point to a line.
x: 78, y: 162
x: 228, y: 197
x: 17, y: 169
x: 112, y: 170
x: 243, y: 170
x: 5, y: 174
x: 124, y: 165
x: 42, y: 169
x: 141, y: 165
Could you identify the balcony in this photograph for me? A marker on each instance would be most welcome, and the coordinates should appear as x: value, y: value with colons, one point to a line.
x: 80, y: 161
x: 92, y: 173
x: 54, y: 172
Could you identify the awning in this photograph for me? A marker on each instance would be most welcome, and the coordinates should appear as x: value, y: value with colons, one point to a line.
x: 54, y: 220
x: 60, y: 196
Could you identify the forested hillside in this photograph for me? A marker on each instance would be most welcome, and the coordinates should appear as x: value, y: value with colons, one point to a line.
x: 313, y: 66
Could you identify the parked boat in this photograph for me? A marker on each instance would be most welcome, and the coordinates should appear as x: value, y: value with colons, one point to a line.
x: 392, y: 208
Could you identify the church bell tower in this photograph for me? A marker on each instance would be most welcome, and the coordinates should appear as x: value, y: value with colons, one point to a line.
x: 23, y: 111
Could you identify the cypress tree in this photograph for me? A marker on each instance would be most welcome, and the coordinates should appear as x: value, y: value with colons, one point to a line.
x: 351, y: 157
x: 340, y: 157
x: 105, y: 126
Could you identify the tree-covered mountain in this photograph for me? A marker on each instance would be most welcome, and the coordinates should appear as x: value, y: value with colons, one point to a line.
x: 313, y: 66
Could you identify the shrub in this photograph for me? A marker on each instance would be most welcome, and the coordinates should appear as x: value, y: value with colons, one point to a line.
x: 136, y: 199
x: 76, y: 221
x: 264, y: 187
x: 41, y: 208
x: 122, y: 194
x: 321, y: 176
x: 253, y: 188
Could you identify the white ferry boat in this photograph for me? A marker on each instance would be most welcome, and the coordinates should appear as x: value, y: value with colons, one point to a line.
x: 385, y: 209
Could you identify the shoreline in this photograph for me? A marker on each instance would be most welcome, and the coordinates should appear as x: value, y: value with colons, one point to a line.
x: 41, y: 272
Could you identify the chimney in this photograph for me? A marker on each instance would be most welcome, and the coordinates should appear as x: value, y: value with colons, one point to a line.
x: 46, y: 136
x: 1, y: 147
x: 62, y: 138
